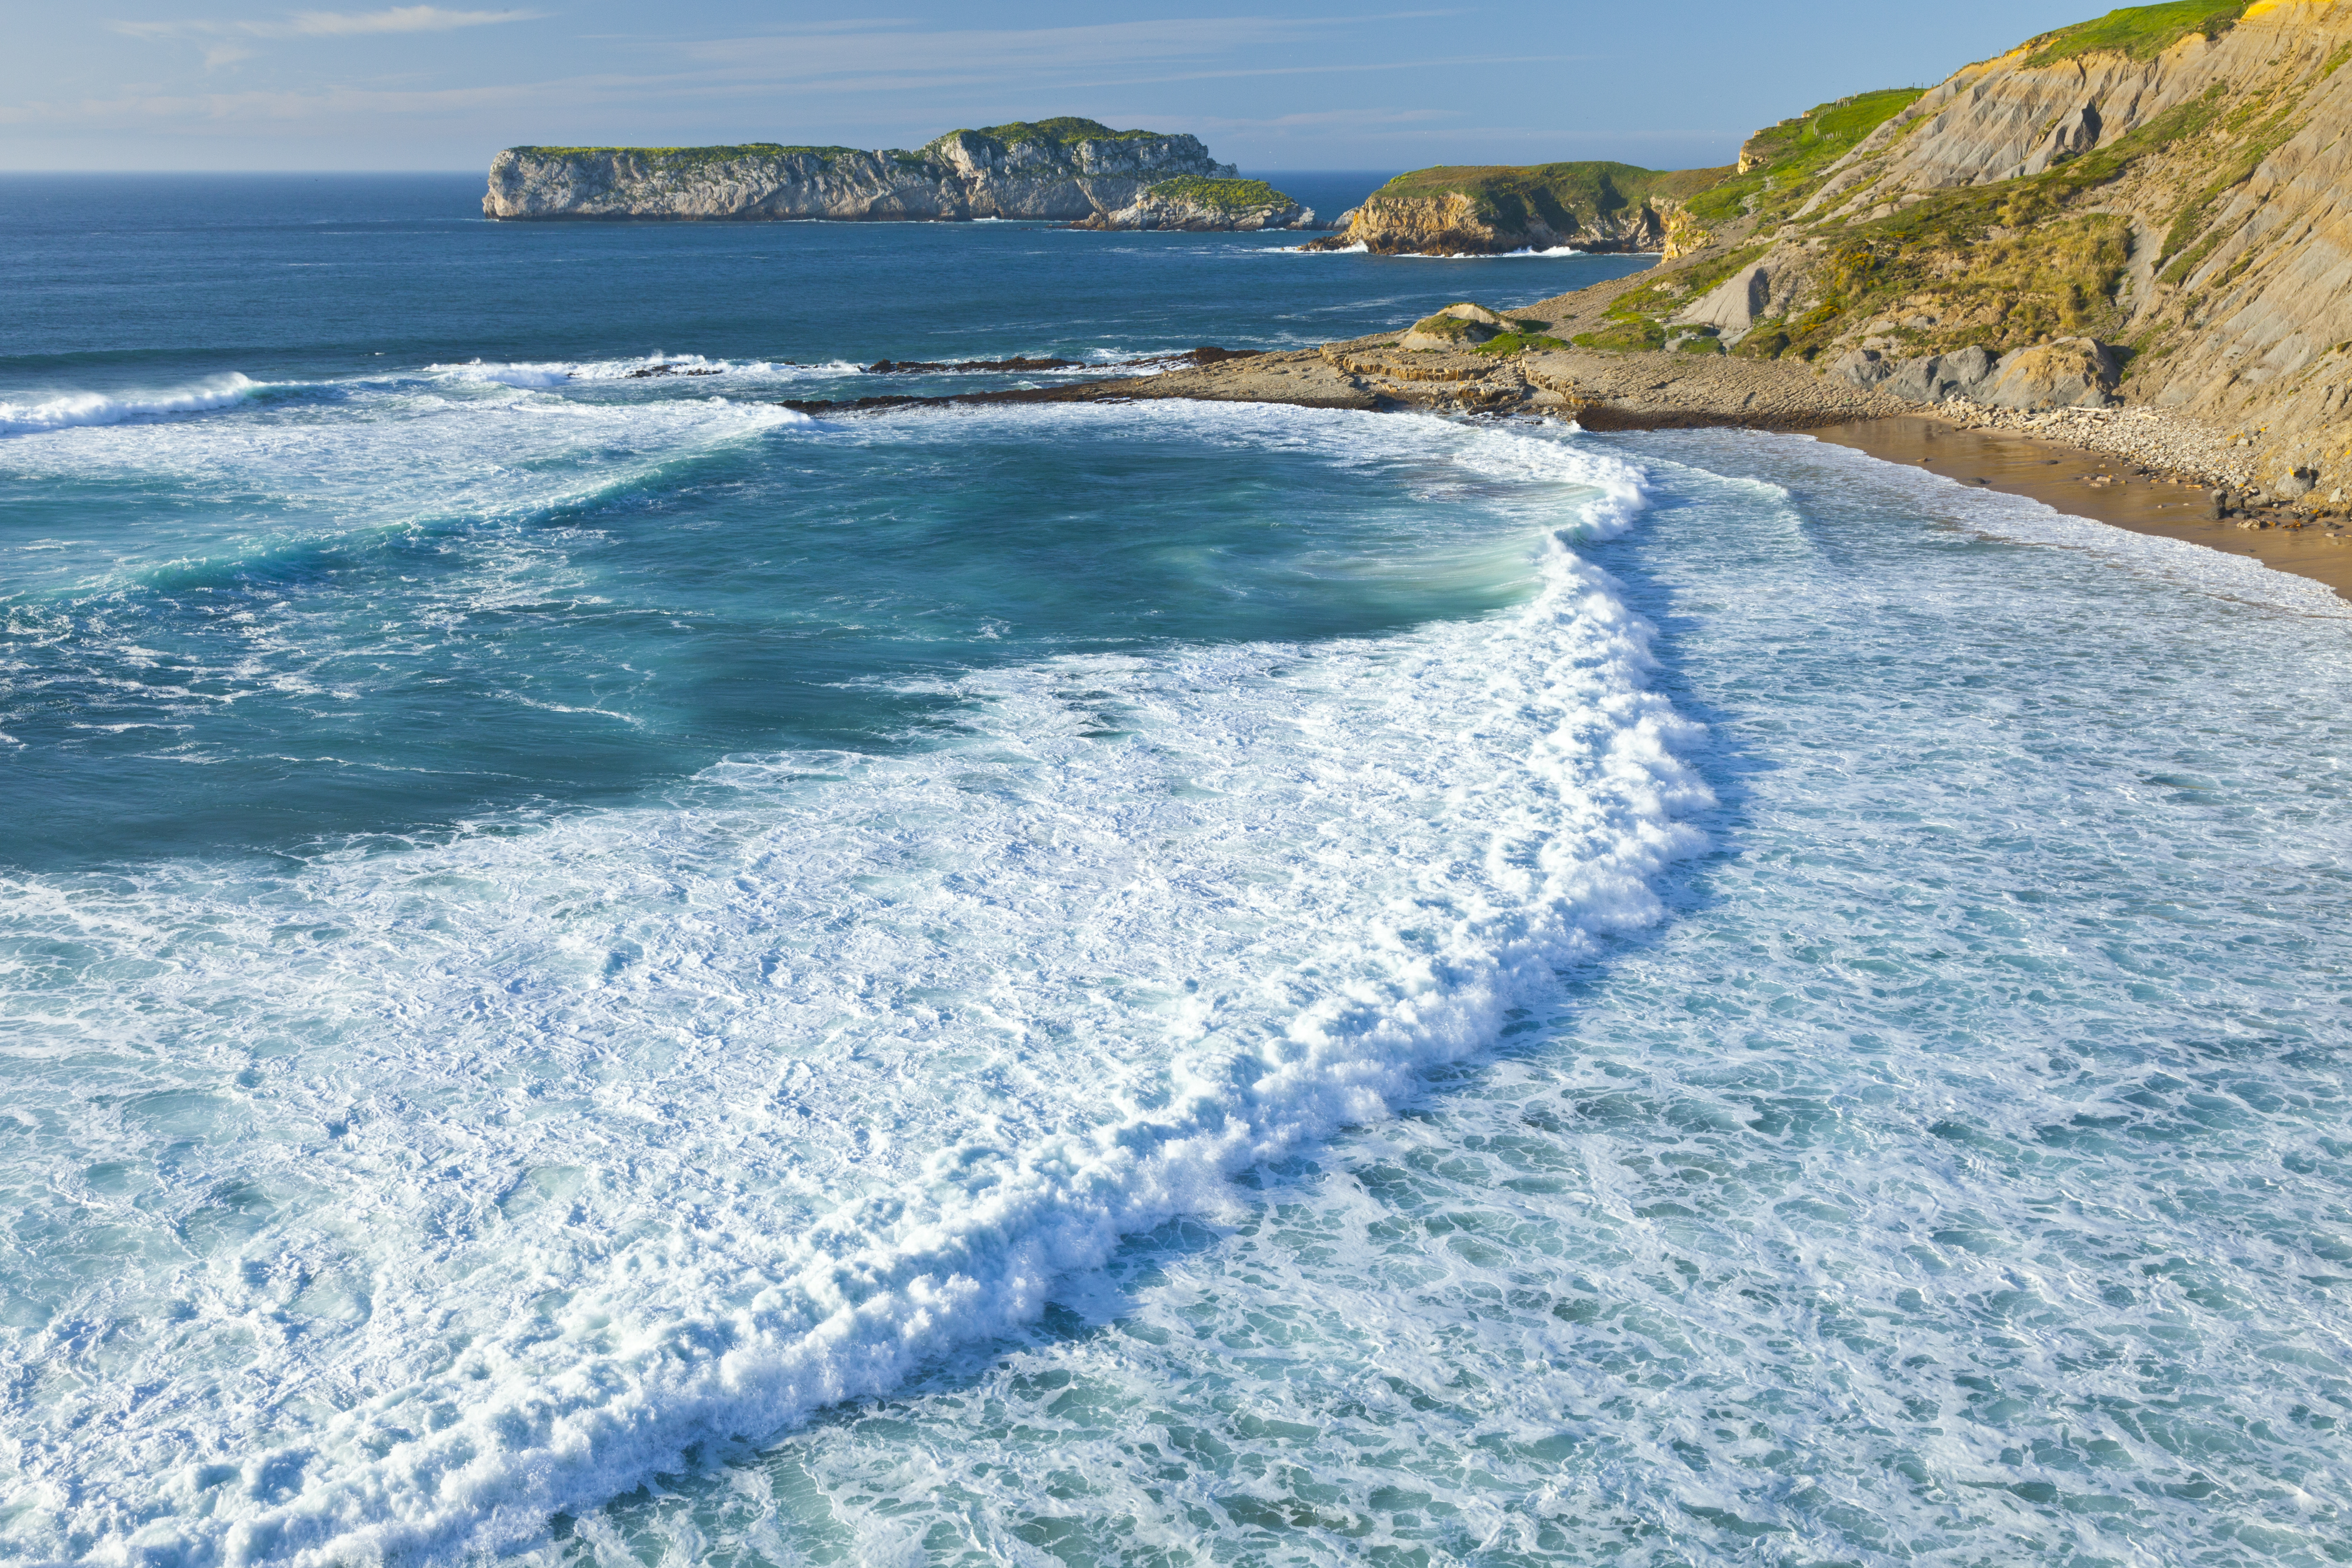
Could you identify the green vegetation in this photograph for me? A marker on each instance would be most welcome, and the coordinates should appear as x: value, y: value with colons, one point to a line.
x: 1636, y: 316
x: 690, y: 154
x: 2142, y: 32
x: 1223, y: 195
x: 1062, y: 130
x: 2246, y: 158
x: 1566, y: 196
x: 1785, y: 162
x: 1632, y: 336
x: 1678, y: 288
x: 2006, y: 264
x: 1461, y: 331
x: 1514, y: 342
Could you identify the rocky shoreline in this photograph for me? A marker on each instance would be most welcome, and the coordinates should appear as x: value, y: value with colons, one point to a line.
x: 2208, y: 478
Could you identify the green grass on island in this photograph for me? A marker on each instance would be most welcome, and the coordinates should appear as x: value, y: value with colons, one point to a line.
x: 1220, y: 195
x: 1517, y: 343
x: 2141, y: 32
x: 1063, y: 131
x: 690, y: 154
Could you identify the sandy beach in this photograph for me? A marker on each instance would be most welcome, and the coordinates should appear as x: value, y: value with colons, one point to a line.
x: 2086, y: 483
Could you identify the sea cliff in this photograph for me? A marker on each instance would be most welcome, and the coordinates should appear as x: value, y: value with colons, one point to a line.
x: 1496, y: 209
x: 1066, y: 170
x: 2151, y: 210
x: 2148, y: 212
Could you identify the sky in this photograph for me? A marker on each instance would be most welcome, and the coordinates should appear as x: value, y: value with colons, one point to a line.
x: 1306, y: 84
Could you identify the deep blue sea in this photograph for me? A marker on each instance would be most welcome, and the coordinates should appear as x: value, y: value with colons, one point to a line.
x: 595, y: 970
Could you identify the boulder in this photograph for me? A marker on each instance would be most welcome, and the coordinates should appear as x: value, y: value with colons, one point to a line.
x: 2294, y: 484
x: 1865, y: 368
x: 2072, y: 373
x: 1936, y: 377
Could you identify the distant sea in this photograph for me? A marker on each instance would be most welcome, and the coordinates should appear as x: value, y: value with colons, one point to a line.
x: 596, y: 969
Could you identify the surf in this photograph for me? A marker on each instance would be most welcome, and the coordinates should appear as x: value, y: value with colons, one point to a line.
x: 1179, y: 912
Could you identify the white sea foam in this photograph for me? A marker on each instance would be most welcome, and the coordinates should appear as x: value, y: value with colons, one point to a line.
x: 70, y: 410
x: 510, y: 1166
x: 548, y: 373
x: 1997, y: 514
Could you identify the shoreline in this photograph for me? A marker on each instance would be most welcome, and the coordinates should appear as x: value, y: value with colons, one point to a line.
x: 2131, y: 468
x: 2082, y: 481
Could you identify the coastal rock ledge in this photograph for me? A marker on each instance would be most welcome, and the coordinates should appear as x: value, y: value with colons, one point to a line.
x: 1065, y: 169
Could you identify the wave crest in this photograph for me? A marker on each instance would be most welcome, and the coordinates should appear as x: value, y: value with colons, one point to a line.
x: 79, y: 408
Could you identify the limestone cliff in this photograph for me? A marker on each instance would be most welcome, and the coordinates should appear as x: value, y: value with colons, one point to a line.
x: 1493, y: 210
x: 1066, y: 170
x: 1189, y: 201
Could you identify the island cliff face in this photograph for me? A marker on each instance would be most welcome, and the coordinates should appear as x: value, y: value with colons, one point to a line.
x: 1491, y: 211
x: 1066, y: 170
x: 1190, y: 203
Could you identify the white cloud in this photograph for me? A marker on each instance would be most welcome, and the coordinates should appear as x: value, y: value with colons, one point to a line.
x: 400, y: 19
x: 326, y: 24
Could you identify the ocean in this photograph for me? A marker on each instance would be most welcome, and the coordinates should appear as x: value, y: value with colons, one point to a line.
x: 595, y: 970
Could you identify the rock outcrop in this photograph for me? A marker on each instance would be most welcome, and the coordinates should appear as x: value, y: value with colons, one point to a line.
x: 2074, y: 372
x: 1065, y: 169
x: 2173, y: 178
x: 1462, y: 325
x: 1189, y: 202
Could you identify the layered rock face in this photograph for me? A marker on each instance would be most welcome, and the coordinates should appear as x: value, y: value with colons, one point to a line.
x: 2178, y: 187
x: 1065, y: 169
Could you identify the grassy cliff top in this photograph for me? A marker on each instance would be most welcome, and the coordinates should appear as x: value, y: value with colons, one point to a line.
x: 1065, y: 129
x: 1223, y: 195
x: 1507, y: 194
x: 689, y: 154
x: 1062, y: 131
x: 1786, y: 161
x: 2142, y: 32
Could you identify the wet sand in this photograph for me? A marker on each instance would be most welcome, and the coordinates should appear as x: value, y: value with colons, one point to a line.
x: 2062, y: 476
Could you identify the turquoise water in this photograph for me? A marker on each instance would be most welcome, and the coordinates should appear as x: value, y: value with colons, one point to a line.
x: 596, y: 969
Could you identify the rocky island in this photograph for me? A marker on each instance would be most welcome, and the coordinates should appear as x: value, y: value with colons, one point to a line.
x: 1066, y: 169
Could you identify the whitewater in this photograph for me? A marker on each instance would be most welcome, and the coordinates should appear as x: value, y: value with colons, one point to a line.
x: 594, y: 970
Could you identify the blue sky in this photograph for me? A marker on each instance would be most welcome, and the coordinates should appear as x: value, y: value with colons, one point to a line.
x: 221, y: 84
